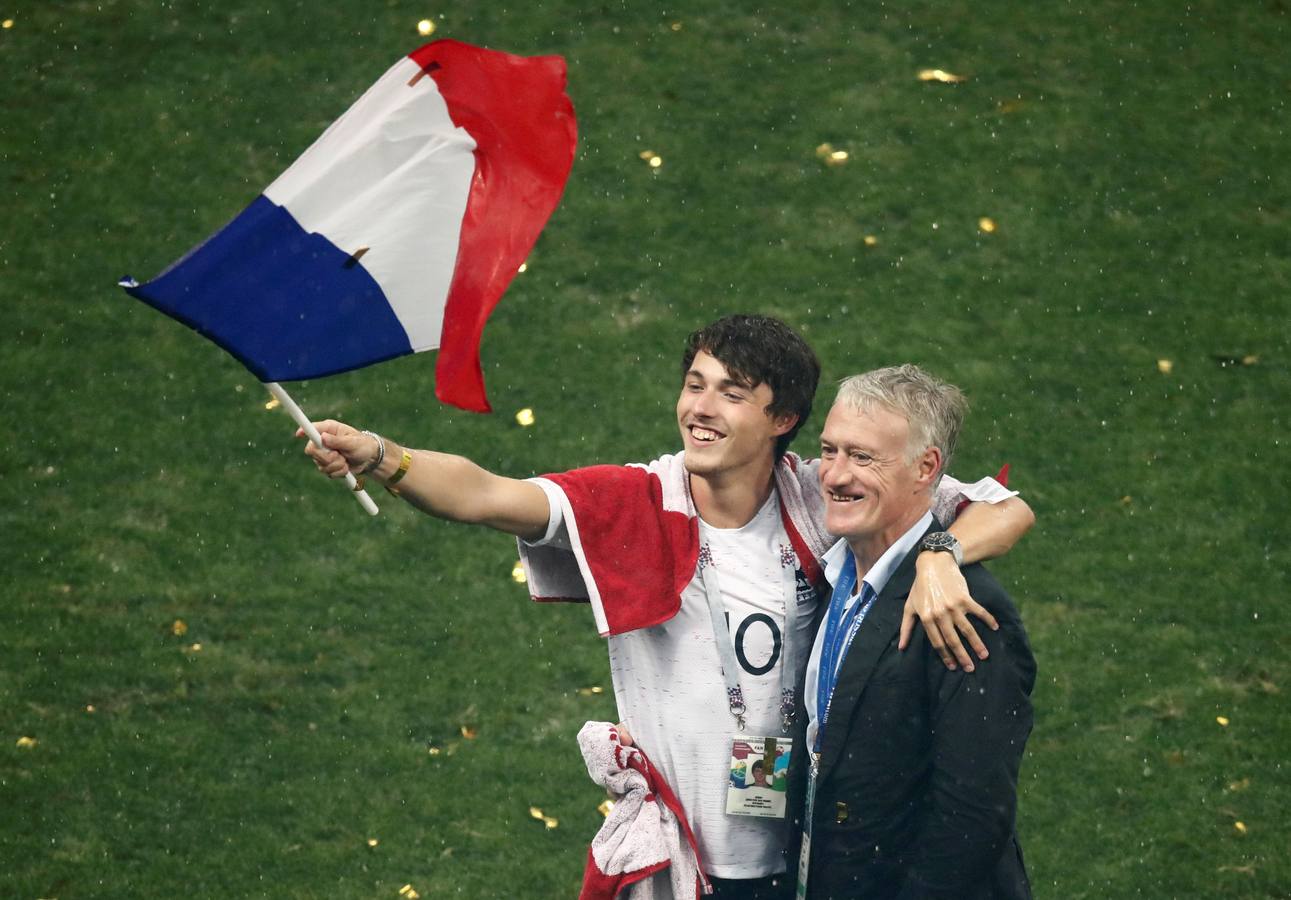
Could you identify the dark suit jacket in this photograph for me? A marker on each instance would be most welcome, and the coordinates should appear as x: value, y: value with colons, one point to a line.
x: 917, y: 789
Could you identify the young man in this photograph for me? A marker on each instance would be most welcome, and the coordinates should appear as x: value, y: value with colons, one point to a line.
x: 913, y: 768
x: 700, y: 567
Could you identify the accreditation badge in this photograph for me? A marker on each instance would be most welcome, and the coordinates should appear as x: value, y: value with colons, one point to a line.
x: 759, y: 777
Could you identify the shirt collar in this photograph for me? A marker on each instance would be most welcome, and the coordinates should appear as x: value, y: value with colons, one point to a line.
x: 878, y: 575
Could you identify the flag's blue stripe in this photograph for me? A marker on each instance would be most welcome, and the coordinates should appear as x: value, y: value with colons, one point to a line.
x: 287, y: 303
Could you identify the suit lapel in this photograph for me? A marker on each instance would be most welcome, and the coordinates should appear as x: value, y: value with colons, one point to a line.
x: 881, y: 624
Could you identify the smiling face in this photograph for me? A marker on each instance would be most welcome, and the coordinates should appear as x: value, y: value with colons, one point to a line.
x: 872, y: 493
x: 724, y: 423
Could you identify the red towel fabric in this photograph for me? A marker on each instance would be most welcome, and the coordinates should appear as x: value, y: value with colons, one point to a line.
x: 634, y: 538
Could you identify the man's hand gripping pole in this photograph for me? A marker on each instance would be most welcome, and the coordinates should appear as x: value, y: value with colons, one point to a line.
x: 303, y: 421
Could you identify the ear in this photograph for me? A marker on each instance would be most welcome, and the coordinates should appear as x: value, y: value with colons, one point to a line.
x: 928, y: 466
x: 783, y: 424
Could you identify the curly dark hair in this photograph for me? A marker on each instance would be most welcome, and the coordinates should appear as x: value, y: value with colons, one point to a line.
x: 762, y: 350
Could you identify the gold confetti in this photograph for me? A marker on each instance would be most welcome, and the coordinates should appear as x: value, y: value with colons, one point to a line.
x: 829, y: 156
x: 589, y: 691
x: 433, y: 751
x: 1240, y: 827
x: 986, y: 224
x: 469, y: 732
x: 179, y: 628
x: 27, y: 743
x: 409, y: 892
x: 675, y: 26
x: 372, y: 842
x: 656, y: 162
x: 195, y: 648
x: 7, y: 23
x: 871, y: 241
x: 1165, y: 366
x: 89, y: 708
x: 524, y: 267
x: 1242, y: 785
x: 272, y: 403
x: 1222, y: 720
x: 549, y: 821
x: 941, y: 75
x: 606, y: 807
x: 1232, y: 359
x: 517, y: 573
x: 425, y: 27
x: 646, y: 155
x: 524, y: 417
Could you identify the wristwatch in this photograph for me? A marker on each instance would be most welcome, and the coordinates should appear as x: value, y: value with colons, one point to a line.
x: 943, y: 541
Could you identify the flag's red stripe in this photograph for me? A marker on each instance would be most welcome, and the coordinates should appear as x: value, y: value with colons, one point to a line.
x: 523, y: 125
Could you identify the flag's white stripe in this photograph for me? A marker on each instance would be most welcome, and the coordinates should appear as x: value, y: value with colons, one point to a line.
x: 404, y: 170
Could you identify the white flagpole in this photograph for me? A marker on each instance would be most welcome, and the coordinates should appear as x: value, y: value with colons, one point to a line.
x: 303, y: 421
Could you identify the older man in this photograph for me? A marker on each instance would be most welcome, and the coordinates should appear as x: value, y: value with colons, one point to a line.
x: 912, y: 789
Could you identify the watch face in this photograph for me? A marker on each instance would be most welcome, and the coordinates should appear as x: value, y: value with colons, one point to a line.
x: 944, y: 541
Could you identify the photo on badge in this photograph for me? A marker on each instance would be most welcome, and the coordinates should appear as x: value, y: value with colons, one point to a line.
x: 758, y: 782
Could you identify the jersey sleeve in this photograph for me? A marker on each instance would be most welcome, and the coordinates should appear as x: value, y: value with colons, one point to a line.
x: 953, y: 495
x: 611, y: 541
x: 556, y: 535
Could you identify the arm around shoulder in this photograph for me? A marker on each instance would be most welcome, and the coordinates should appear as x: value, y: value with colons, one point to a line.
x: 941, y: 598
x: 989, y: 530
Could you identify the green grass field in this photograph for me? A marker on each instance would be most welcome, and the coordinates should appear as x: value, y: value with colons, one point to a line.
x: 1134, y: 157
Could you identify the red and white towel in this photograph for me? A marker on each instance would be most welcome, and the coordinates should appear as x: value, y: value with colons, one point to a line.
x: 634, y: 537
x: 645, y: 850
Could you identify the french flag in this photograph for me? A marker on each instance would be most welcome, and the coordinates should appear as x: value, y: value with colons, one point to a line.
x: 397, y: 231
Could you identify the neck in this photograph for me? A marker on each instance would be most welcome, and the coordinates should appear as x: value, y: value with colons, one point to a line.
x: 731, y: 500
x: 869, y: 548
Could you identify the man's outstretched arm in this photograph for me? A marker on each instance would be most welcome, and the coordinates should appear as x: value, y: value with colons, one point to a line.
x: 940, y: 598
x: 441, y: 484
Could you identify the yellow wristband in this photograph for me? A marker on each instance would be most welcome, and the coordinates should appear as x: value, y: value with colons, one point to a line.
x: 405, y: 462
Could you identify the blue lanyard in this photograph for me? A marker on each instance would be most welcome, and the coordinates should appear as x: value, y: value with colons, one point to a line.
x: 841, y: 626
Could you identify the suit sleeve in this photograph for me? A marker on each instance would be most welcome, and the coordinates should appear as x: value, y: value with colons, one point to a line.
x: 981, y: 721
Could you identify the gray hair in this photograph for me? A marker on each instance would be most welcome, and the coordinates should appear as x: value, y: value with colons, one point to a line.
x: 934, y: 409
